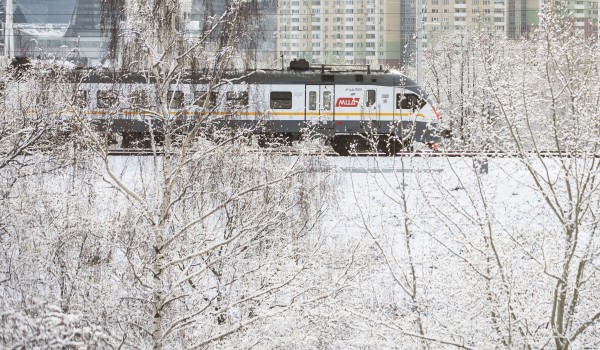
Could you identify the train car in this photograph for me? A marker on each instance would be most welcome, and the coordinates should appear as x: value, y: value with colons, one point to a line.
x: 348, y: 107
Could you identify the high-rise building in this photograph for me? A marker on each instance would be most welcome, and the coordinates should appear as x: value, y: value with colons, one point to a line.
x: 584, y: 14
x: 344, y: 31
x: 258, y: 44
x: 84, y: 32
x: 374, y: 32
x: 385, y: 31
x: 513, y: 18
x: 40, y: 11
x: 65, y: 29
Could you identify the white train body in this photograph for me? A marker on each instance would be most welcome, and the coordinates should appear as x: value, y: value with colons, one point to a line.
x: 342, y: 105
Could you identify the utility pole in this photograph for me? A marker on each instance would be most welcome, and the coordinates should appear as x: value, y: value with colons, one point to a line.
x: 419, y: 27
x: 9, y: 45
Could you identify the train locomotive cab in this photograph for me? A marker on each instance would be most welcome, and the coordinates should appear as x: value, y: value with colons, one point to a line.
x: 394, y: 113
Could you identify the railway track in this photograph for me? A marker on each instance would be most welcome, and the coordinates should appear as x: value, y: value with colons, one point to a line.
x: 421, y: 153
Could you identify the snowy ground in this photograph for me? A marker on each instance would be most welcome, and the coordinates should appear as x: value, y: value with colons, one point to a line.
x: 408, y: 249
x: 480, y: 242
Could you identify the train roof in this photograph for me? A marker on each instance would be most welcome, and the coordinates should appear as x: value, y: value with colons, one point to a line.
x: 299, y: 72
x: 272, y: 77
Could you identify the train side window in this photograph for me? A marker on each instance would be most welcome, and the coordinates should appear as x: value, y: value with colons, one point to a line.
x: 81, y: 98
x: 175, y: 99
x: 281, y: 100
x: 327, y: 100
x: 371, y: 98
x: 237, y: 98
x: 139, y: 99
x: 106, y: 98
x: 43, y: 97
x: 199, y: 97
x: 312, y: 100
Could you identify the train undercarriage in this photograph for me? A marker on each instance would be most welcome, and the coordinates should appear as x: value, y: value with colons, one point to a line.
x: 343, y: 142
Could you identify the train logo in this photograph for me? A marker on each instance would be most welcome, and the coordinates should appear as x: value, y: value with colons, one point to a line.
x: 347, y: 102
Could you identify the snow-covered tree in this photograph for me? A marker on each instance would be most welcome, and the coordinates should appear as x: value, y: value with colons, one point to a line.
x: 534, y: 284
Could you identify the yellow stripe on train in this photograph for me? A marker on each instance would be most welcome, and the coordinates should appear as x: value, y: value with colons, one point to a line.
x: 356, y: 116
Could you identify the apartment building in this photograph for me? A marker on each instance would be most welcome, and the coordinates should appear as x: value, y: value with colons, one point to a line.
x: 513, y: 18
x: 345, y: 31
x: 584, y: 14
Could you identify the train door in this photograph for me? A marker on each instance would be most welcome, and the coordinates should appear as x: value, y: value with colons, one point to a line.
x: 370, y: 116
x: 319, y: 111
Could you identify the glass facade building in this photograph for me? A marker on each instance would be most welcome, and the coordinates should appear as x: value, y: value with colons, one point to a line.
x: 44, y: 11
x: 61, y: 29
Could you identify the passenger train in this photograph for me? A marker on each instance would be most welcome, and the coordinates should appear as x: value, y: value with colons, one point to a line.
x: 352, y: 108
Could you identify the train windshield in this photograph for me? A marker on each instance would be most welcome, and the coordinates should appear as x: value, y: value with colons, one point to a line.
x: 409, y: 101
